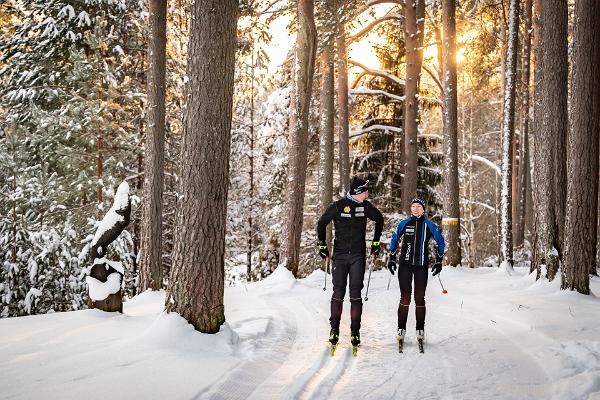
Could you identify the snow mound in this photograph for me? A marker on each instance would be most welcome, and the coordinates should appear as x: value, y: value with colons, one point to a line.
x: 281, y: 279
x: 172, y: 332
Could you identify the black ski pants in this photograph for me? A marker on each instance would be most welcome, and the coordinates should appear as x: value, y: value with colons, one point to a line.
x: 406, y: 274
x: 344, y: 266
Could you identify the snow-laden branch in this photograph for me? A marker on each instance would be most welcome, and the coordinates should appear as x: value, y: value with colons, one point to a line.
x: 371, y: 25
x: 376, y: 127
x: 365, y: 91
x: 371, y: 3
x: 380, y: 73
x: 487, y: 162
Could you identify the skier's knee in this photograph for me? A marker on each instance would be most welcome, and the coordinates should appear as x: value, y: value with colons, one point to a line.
x: 420, y: 301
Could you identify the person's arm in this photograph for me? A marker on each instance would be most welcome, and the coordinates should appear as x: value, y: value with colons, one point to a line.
x: 397, y: 235
x: 439, y: 240
x: 375, y: 215
x: 324, y: 220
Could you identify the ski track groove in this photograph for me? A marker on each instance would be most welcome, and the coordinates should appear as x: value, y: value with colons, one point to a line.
x: 247, y: 376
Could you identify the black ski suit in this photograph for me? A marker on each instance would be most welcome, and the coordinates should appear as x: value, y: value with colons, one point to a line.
x: 349, y: 248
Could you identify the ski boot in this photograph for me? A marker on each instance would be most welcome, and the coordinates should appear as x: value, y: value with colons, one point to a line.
x: 355, y: 340
x: 421, y: 339
x: 334, y: 337
x: 400, y: 338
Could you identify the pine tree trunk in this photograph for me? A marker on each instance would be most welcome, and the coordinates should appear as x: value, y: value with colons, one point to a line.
x: 508, y: 132
x: 521, y: 199
x: 343, y: 122
x: 196, y: 284
x: 413, y: 36
x: 151, y: 243
x: 550, y: 125
x: 451, y: 223
x: 584, y: 133
x: 306, y: 44
x: 326, y: 131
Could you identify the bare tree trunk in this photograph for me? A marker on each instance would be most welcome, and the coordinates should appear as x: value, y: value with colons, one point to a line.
x: 306, y: 45
x: 413, y: 36
x: 451, y: 223
x: 550, y: 123
x: 196, y: 285
x: 582, y: 202
x: 326, y: 131
x: 151, y: 243
x: 508, y: 132
x: 521, y: 199
x: 251, y: 176
x: 99, y: 165
x: 342, y: 97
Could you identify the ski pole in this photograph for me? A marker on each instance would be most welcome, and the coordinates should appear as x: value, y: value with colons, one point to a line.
x: 440, y: 280
x: 389, y: 280
x: 369, y: 281
x: 326, y: 268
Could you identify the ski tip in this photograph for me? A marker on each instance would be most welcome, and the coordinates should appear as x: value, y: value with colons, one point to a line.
x: 354, y: 351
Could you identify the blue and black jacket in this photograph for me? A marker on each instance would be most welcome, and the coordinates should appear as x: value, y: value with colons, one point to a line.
x: 417, y: 231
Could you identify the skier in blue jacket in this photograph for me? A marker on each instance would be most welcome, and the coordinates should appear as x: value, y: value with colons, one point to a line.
x: 416, y: 232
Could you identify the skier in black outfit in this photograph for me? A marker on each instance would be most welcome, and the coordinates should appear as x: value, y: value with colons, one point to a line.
x: 349, y: 215
x: 417, y: 231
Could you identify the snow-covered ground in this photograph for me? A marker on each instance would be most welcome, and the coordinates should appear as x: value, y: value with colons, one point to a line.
x: 492, y: 336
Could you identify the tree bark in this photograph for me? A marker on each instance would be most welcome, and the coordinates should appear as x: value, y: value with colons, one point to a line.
x: 451, y: 223
x: 521, y: 199
x: 342, y: 97
x: 550, y: 125
x: 413, y: 36
x: 151, y: 243
x: 306, y: 44
x: 508, y: 132
x: 326, y: 131
x: 196, y: 284
x: 582, y: 186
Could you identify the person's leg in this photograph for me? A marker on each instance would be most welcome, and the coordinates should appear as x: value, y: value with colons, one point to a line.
x: 405, y: 279
x: 357, y: 275
x: 421, y: 275
x: 339, y: 274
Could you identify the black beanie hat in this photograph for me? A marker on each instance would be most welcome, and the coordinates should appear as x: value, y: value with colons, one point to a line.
x: 418, y: 200
x: 358, y: 185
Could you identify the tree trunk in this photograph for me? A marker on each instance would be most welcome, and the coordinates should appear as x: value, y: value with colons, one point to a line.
x: 196, y: 285
x: 550, y: 125
x: 343, y: 122
x: 306, y: 44
x: 521, y: 199
x: 413, y: 35
x: 451, y: 223
x: 508, y: 132
x: 582, y: 186
x: 326, y: 131
x: 151, y: 243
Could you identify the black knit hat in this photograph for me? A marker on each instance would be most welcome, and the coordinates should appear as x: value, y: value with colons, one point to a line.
x: 358, y: 185
x: 418, y: 200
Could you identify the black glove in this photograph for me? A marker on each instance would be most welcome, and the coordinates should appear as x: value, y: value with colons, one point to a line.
x: 437, y: 268
x: 323, y: 250
x: 391, y: 264
x: 375, y: 248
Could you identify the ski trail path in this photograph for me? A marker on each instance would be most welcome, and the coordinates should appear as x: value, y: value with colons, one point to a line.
x: 466, y: 351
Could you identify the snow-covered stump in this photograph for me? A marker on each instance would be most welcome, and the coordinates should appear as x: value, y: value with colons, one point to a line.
x: 106, y: 276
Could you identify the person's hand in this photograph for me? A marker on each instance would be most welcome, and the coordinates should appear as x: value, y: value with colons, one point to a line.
x: 375, y: 248
x: 437, y: 268
x: 391, y: 264
x: 323, y: 250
